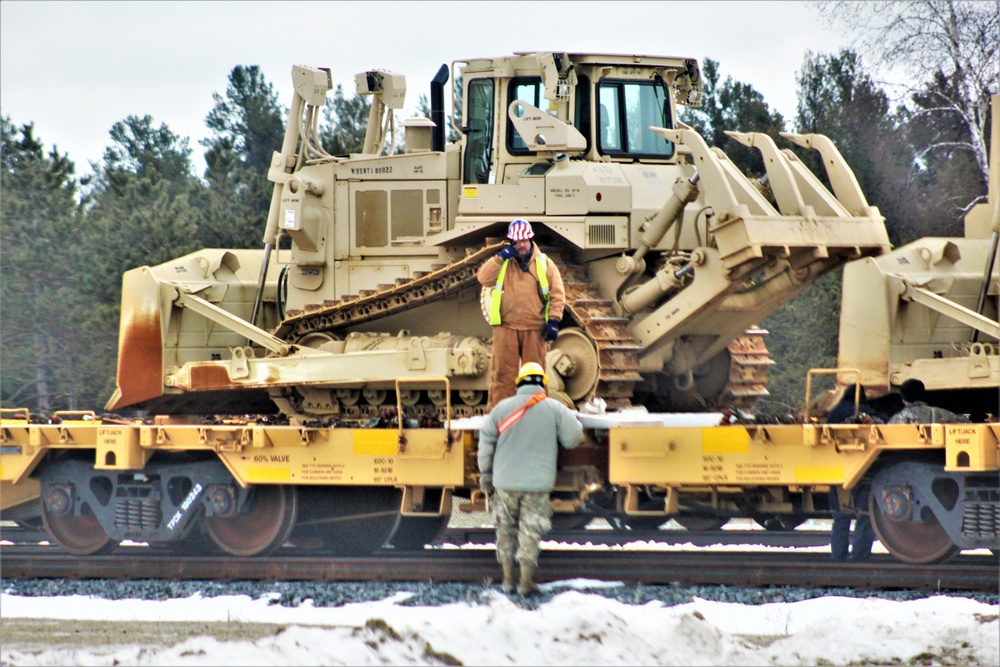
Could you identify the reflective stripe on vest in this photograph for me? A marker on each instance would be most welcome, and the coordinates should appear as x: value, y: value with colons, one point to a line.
x: 515, y: 416
x: 541, y: 265
x: 496, y: 295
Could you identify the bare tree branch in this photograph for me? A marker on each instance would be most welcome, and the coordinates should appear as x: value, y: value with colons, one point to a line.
x: 944, y: 144
x: 981, y: 199
x: 955, y: 39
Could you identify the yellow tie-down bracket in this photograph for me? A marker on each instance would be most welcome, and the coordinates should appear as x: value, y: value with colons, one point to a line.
x: 631, y: 504
x: 415, y: 502
x: 450, y: 438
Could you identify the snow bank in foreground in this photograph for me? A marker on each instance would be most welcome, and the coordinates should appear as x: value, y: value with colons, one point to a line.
x: 574, y: 628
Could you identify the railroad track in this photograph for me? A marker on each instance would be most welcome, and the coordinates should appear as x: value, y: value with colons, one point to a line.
x: 698, y: 538
x: 457, y: 535
x: 751, y: 569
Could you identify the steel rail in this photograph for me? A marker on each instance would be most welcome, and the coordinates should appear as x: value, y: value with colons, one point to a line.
x: 751, y: 569
x: 595, y: 536
x: 610, y: 537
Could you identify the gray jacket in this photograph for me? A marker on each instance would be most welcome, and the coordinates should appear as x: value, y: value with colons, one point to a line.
x: 523, y: 458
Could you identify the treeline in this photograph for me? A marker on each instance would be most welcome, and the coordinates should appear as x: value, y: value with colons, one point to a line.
x: 68, y: 240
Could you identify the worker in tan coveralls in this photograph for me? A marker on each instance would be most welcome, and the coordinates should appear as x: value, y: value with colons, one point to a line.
x: 518, y: 448
x: 526, y: 307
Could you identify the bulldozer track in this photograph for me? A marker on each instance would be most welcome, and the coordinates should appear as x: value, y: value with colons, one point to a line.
x: 368, y: 305
x: 748, y: 364
x: 616, y: 350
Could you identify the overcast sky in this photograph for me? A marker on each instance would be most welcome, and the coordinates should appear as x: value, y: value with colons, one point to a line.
x: 76, y: 68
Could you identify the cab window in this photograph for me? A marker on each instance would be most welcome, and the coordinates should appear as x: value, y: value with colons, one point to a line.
x: 531, y: 90
x: 527, y: 89
x: 581, y: 115
x: 479, y: 132
x: 625, y: 111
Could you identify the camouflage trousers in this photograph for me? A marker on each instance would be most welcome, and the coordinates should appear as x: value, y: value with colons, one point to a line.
x: 521, y: 518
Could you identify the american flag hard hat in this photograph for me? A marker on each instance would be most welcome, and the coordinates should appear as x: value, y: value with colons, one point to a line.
x: 520, y: 230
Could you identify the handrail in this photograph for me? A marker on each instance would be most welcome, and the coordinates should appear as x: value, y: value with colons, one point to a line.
x: 831, y: 371
x: 12, y: 413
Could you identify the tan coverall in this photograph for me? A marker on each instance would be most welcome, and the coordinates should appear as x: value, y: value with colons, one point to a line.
x: 518, y: 338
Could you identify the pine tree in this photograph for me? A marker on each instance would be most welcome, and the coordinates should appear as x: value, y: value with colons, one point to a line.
x: 344, y: 123
x: 248, y: 126
x: 39, y: 271
x: 139, y: 214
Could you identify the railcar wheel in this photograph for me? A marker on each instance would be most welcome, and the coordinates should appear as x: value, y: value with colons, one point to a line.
x: 264, y: 527
x: 704, y: 523
x: 347, y: 521
x: 415, y: 532
x: 81, y: 534
x: 912, y: 541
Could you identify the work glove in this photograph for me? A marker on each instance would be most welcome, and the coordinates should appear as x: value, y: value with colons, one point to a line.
x: 507, y: 252
x: 551, y: 330
x: 486, y: 484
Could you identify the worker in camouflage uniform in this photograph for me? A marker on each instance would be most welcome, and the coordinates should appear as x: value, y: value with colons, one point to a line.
x: 916, y: 411
x: 525, y: 307
x: 518, y: 446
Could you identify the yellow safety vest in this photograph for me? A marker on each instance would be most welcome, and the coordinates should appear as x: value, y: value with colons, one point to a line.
x: 497, y: 293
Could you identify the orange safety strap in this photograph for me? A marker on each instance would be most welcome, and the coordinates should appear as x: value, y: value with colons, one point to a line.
x: 513, y: 417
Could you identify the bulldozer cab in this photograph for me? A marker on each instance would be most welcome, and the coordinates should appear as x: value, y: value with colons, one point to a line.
x: 523, y: 113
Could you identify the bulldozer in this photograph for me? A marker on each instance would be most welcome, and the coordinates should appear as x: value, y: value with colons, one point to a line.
x: 928, y: 311
x: 364, y: 296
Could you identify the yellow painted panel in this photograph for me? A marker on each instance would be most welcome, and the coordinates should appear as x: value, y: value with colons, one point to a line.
x: 12, y: 495
x: 971, y: 448
x: 818, y: 475
x: 259, y: 474
x: 725, y: 440
x: 375, y: 442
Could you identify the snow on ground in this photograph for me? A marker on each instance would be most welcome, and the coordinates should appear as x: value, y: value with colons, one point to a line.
x: 573, y: 628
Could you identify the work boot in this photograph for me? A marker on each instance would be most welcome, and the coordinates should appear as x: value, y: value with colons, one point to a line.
x: 508, y: 578
x: 527, y: 585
